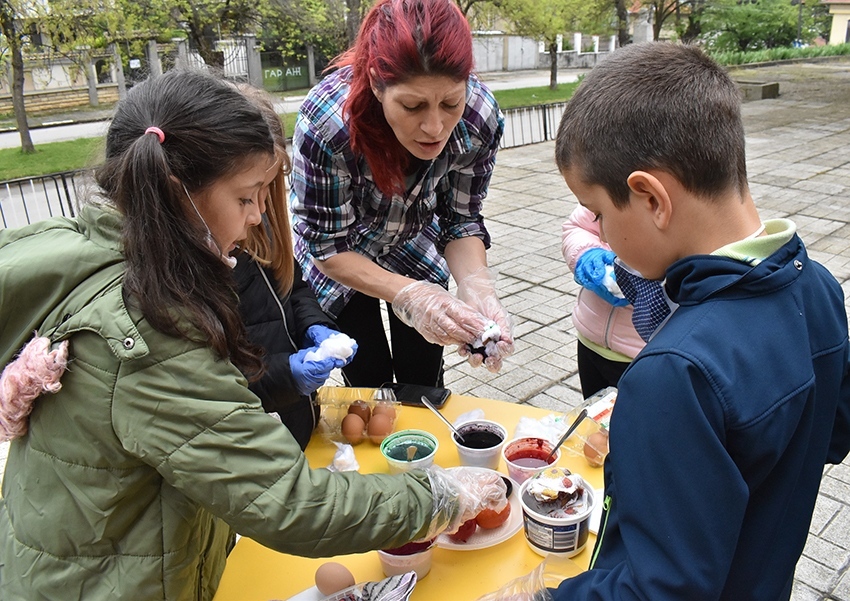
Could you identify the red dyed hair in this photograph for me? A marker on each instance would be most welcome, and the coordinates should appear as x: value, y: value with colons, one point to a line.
x: 398, y: 40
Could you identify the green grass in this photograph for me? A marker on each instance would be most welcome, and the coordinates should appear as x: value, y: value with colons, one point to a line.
x: 529, y: 96
x: 50, y: 158
x: 53, y: 157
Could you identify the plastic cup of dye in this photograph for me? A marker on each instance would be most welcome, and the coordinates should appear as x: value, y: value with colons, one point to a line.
x: 408, y: 450
x: 414, y: 557
x: 482, y: 443
x: 526, y: 456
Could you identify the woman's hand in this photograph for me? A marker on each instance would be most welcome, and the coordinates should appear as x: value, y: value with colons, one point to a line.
x: 440, y: 317
x: 478, y: 290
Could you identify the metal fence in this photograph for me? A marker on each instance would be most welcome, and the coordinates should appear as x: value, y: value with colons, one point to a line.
x: 32, y: 199
x: 531, y: 124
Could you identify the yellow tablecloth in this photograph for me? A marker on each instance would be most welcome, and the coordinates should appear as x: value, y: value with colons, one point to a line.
x: 255, y: 573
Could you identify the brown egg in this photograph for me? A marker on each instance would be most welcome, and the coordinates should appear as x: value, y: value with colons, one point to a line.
x: 596, y: 448
x: 332, y: 577
x: 380, y: 426
x: 352, y: 428
x: 384, y: 408
x: 361, y: 408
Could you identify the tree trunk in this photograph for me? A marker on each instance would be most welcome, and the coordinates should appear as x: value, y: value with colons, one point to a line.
x: 352, y: 21
x: 622, y: 22
x: 7, y: 22
x: 553, y: 65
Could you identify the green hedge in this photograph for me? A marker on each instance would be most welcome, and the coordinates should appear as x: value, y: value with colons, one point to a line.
x: 778, y: 54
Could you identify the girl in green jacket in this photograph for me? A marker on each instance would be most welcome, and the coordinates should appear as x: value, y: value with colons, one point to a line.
x: 137, y: 449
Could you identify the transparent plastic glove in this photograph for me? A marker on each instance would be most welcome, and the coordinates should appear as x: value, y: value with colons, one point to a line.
x: 478, y: 290
x: 595, y: 271
x: 309, y: 375
x: 440, y: 317
x: 461, y: 494
x: 536, y: 585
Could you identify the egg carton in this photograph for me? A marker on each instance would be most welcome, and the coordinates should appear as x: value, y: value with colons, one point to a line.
x: 335, y: 403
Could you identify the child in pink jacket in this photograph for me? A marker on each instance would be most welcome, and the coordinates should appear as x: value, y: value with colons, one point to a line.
x: 607, y: 340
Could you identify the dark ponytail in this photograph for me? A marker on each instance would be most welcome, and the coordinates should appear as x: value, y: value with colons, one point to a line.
x: 210, y: 130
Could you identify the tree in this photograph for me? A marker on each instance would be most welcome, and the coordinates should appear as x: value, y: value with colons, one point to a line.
x: 290, y: 25
x: 547, y: 19
x: 750, y: 25
x: 661, y: 9
x: 9, y: 17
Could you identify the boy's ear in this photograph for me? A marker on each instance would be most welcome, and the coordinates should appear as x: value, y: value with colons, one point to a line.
x: 649, y: 192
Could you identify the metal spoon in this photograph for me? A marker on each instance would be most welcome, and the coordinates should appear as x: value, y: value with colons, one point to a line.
x: 436, y: 412
x: 570, y: 430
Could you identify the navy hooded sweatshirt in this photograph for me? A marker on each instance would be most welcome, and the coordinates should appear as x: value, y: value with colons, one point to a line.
x: 722, y: 427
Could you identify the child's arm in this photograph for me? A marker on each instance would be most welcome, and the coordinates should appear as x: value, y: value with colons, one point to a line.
x: 839, y: 445
x: 579, y: 233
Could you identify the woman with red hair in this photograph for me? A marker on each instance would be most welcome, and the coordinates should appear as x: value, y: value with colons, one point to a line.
x: 392, y: 157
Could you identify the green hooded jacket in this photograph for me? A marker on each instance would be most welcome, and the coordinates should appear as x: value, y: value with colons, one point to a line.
x: 132, y: 478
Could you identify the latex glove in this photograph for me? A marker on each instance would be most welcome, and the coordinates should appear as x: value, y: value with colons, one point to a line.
x: 440, y: 317
x: 478, y: 290
x: 316, y: 333
x: 309, y: 375
x: 461, y: 494
x: 535, y: 585
x: 593, y: 267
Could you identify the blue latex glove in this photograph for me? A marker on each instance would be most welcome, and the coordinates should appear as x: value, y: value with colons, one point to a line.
x: 309, y: 375
x: 316, y: 333
x: 590, y: 273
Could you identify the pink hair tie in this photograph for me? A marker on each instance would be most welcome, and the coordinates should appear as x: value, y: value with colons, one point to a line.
x: 157, y: 131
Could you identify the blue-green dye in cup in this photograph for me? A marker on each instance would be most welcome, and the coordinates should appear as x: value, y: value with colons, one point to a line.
x: 399, y: 451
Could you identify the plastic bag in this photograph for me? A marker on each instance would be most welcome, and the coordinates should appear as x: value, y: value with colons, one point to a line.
x: 535, y: 585
x: 460, y: 494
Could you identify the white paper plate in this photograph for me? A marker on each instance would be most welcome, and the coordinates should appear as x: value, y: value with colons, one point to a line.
x: 482, y: 538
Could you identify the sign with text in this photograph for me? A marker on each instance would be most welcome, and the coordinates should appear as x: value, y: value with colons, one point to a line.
x: 281, y: 74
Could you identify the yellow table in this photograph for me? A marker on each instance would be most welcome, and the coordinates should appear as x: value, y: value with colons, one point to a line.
x: 256, y: 573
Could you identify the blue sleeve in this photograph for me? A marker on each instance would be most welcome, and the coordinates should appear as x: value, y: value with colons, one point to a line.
x: 839, y: 445
x: 677, y: 496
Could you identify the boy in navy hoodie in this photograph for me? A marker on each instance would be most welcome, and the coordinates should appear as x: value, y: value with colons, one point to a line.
x: 725, y: 420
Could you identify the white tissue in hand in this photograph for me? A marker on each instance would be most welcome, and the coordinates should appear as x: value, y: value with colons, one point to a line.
x: 491, y: 334
x: 338, y: 346
x: 610, y: 282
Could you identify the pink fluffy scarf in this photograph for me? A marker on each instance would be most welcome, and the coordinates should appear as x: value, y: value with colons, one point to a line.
x: 35, y: 371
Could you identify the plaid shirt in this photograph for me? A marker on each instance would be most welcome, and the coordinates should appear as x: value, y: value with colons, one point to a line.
x: 336, y: 206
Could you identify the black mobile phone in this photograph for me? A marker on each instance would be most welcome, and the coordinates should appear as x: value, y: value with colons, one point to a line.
x: 411, y: 394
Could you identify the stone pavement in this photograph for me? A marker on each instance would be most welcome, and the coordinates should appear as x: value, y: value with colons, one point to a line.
x: 799, y: 166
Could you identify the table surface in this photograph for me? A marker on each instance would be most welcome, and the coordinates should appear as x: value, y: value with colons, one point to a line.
x: 256, y: 573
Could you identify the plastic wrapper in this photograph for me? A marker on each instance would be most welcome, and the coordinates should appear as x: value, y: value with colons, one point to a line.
x: 462, y: 493
x: 335, y: 402
x: 394, y: 588
x: 439, y: 316
x: 590, y: 438
x: 344, y: 459
x: 536, y: 585
x: 478, y: 290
